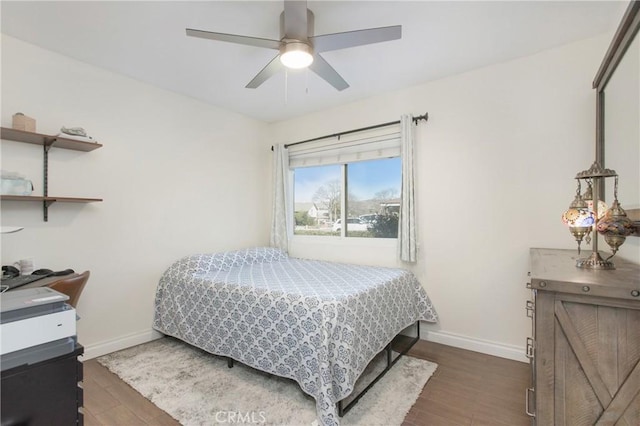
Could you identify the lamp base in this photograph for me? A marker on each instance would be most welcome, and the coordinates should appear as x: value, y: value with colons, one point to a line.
x: 595, y: 261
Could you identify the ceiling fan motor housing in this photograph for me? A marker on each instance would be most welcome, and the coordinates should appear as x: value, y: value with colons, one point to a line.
x: 296, y: 51
x: 301, y: 37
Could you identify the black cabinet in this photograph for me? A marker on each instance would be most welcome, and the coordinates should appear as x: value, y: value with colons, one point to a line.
x: 46, y: 393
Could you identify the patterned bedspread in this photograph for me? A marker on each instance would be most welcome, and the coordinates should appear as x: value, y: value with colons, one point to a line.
x: 318, y: 323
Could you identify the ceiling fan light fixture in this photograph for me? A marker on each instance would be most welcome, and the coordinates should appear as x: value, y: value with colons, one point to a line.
x: 296, y: 55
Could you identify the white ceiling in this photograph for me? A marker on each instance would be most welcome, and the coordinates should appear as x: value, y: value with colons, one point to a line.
x: 147, y: 41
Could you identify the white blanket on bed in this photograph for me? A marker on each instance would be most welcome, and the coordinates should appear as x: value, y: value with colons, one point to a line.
x: 318, y: 323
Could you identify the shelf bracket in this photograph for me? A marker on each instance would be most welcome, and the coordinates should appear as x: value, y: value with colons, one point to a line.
x: 45, y: 209
x: 48, y: 143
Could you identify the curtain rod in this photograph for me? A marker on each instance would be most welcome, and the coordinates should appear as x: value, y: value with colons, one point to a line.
x: 424, y: 117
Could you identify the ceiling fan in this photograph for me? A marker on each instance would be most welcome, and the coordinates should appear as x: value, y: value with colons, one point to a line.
x: 299, y: 48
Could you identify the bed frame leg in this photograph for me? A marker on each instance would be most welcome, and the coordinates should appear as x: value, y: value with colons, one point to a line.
x: 230, y: 362
x: 343, y: 409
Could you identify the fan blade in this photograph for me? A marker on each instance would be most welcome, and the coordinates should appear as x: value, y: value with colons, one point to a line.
x: 327, y: 73
x: 232, y: 38
x: 295, y: 20
x: 327, y: 42
x: 267, y: 72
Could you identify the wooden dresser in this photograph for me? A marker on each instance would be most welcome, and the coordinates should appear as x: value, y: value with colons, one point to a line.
x: 585, y: 349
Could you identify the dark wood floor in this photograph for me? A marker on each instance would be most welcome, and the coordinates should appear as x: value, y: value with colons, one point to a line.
x: 468, y: 388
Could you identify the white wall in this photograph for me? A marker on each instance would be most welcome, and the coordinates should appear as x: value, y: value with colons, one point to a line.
x: 496, y: 163
x: 177, y: 176
x: 495, y: 168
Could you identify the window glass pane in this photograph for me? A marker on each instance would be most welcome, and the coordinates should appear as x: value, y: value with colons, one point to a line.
x: 316, y: 196
x: 374, y: 198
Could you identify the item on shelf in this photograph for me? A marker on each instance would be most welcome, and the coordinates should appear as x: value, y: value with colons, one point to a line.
x: 75, y: 133
x: 13, y: 183
x: 23, y: 122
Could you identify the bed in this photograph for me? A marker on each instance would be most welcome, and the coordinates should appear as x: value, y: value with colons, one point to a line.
x: 318, y: 323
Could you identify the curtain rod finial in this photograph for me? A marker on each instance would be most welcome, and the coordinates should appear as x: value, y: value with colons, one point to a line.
x: 424, y: 117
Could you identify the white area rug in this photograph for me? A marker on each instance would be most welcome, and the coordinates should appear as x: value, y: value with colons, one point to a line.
x: 197, y: 388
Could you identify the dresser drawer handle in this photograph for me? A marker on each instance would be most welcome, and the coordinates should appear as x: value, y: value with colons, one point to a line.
x: 530, y: 308
x: 635, y: 293
x: 528, y: 392
x: 586, y: 288
x: 530, y: 348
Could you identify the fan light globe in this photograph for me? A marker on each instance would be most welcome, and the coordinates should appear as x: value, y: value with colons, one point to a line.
x: 296, y: 55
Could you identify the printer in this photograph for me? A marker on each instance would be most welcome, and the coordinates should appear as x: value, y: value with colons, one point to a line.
x: 36, y: 324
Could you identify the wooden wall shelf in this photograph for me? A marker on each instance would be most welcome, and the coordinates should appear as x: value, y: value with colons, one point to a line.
x: 49, y: 199
x: 47, y: 142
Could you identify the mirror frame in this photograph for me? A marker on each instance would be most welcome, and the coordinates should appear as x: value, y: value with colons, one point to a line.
x: 623, y: 38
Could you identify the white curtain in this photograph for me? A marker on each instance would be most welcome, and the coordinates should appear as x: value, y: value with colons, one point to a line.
x: 407, y: 233
x: 281, y: 217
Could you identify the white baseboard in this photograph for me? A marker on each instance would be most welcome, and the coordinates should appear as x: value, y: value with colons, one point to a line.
x: 516, y: 353
x: 106, y: 347
x: 501, y: 350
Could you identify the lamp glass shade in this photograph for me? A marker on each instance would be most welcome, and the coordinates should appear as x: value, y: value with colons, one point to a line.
x: 602, y: 207
x: 296, y: 55
x: 588, y: 198
x: 578, y: 217
x: 574, y: 214
x: 615, y: 222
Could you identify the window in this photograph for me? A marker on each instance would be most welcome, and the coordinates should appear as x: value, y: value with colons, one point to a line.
x: 348, y: 186
x: 370, y: 208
